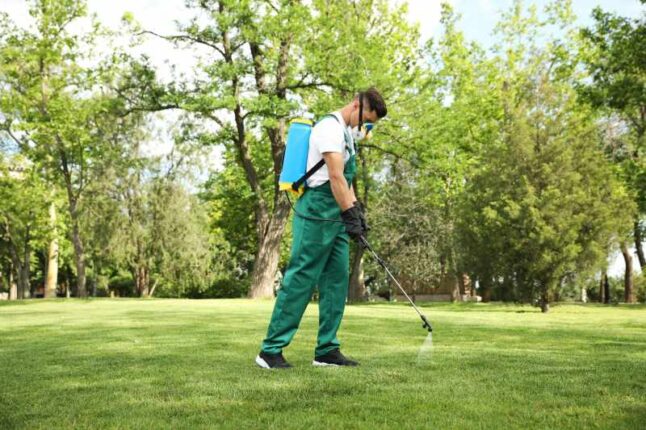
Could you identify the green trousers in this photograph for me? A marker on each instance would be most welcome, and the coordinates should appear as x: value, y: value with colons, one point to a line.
x: 319, y: 257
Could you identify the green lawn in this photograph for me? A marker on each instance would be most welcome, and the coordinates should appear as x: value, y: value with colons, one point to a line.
x: 189, y: 364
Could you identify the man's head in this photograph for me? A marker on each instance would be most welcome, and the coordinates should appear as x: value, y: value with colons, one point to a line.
x: 371, y: 106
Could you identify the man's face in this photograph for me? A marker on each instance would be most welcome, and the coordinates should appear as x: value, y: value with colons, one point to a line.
x: 368, y: 114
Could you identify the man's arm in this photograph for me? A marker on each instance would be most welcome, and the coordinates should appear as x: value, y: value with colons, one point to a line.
x: 354, y: 196
x: 340, y: 189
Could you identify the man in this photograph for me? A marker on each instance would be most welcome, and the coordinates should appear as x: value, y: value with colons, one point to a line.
x: 320, y: 249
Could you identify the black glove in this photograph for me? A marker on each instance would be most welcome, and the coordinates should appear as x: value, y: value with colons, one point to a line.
x: 352, y: 221
x: 364, y: 223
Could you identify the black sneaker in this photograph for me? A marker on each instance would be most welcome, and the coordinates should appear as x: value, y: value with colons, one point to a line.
x: 272, y: 361
x: 333, y: 358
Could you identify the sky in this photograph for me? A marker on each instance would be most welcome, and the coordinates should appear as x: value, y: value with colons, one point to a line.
x: 478, y: 18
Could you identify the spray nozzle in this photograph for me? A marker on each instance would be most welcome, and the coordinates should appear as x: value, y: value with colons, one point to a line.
x: 426, y: 325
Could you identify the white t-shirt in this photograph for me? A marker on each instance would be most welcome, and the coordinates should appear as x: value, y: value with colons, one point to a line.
x: 327, y: 136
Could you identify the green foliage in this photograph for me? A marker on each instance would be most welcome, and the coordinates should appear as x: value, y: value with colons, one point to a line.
x: 517, y: 165
x: 640, y: 287
x: 543, y: 203
x: 613, y: 54
x: 24, y: 210
x: 150, y: 223
x: 222, y: 288
x: 408, y: 232
x: 268, y: 63
x: 58, y: 107
x: 229, y: 203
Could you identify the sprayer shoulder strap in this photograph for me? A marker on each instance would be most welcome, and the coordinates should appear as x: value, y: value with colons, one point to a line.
x: 296, y: 185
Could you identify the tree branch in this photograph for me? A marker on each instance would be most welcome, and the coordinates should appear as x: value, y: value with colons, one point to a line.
x: 391, y: 153
x: 213, y: 118
x: 7, y: 127
x: 244, y: 152
x: 316, y: 85
x: 184, y: 37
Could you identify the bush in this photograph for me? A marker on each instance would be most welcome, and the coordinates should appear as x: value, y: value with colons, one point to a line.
x: 123, y: 285
x: 640, y: 287
x: 221, y: 288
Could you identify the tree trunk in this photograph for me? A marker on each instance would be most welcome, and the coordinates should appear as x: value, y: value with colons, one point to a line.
x: 357, y: 287
x: 455, y: 288
x: 25, y: 274
x: 152, y: 290
x: 72, y: 200
x: 638, y: 246
x: 79, y: 260
x: 606, y: 289
x: 52, y: 257
x: 20, y: 288
x: 22, y: 291
x: 93, y: 293
x: 141, y: 275
x: 449, y: 284
x: 545, y: 302
x: 268, y: 255
x: 629, y: 296
x: 269, y: 228
x: 17, y: 263
x: 462, y: 284
x: 26, y: 263
x: 485, y: 290
x: 602, y: 286
x: 79, y: 251
x: 146, y: 282
x: 13, y: 288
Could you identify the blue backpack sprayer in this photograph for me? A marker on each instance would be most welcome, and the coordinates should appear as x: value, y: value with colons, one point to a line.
x: 294, y: 175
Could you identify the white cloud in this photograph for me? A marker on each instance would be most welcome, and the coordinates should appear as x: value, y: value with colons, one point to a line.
x: 426, y: 13
x: 486, y: 6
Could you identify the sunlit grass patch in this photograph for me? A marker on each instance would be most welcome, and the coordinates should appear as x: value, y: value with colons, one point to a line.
x: 189, y: 364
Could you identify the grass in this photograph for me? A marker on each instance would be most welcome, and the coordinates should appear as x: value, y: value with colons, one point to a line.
x: 188, y: 364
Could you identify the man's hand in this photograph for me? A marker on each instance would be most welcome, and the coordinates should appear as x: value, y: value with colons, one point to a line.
x: 352, y: 221
x: 364, y: 222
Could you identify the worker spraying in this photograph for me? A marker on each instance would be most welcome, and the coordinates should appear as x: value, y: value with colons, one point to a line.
x: 320, y: 249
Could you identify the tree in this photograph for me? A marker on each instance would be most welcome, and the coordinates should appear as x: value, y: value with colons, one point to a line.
x: 229, y: 202
x: 22, y: 217
x: 615, y: 60
x: 142, y: 219
x: 447, y: 114
x: 407, y: 230
x: 57, y: 110
x: 268, y: 61
x: 544, y: 202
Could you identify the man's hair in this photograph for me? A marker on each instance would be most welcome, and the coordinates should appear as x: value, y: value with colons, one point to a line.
x: 372, y: 97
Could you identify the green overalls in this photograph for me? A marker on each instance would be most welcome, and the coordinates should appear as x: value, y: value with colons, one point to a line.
x: 319, y: 257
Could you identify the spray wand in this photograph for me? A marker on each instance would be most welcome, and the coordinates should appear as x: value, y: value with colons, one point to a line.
x: 426, y: 324
x: 365, y: 244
